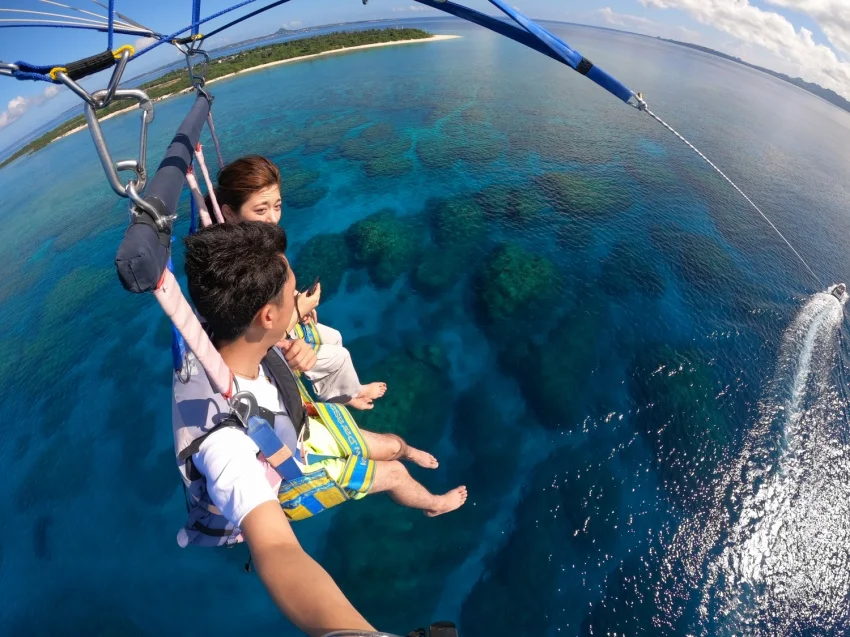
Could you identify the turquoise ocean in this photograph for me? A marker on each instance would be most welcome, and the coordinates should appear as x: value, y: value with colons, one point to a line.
x: 643, y: 389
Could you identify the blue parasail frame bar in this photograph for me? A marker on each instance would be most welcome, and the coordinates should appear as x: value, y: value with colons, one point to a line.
x: 530, y: 34
x: 535, y: 37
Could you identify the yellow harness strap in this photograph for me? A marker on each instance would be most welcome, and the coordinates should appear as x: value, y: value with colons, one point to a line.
x: 310, y: 333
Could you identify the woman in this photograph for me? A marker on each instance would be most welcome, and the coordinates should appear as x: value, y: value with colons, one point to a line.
x: 249, y: 190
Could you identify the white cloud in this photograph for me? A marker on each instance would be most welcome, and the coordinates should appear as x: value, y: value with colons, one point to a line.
x: 833, y: 16
x: 18, y: 106
x: 623, y: 19
x: 795, y: 51
x: 645, y: 26
x: 143, y: 43
x: 413, y: 7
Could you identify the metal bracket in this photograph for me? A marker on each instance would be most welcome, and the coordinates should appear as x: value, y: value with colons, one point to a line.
x: 100, y: 99
x: 639, y: 103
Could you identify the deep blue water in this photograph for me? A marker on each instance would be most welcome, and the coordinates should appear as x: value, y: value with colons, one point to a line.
x: 590, y: 329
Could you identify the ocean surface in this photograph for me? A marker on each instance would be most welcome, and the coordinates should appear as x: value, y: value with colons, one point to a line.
x: 644, y: 390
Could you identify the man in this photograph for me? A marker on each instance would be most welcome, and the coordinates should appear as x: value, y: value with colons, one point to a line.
x: 241, y: 282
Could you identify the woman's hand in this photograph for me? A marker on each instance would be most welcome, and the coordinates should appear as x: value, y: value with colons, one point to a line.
x: 308, y: 304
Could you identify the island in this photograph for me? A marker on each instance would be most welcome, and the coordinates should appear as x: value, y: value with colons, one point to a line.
x: 815, y: 89
x: 177, y: 82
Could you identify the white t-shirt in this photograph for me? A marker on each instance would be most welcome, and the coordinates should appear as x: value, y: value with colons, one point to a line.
x: 236, y: 480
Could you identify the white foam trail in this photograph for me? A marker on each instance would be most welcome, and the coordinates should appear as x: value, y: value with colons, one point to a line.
x: 814, y: 326
x: 784, y: 548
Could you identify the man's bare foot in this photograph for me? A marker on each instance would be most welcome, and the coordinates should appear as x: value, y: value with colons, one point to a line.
x: 447, y: 502
x: 363, y: 404
x: 421, y: 458
x: 373, y: 391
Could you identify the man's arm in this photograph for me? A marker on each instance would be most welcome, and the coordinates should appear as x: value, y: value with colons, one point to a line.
x: 300, y: 587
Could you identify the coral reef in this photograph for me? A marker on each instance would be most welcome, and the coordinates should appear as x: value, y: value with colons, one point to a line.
x: 582, y: 196
x: 325, y: 256
x: 511, y: 282
x: 385, y: 244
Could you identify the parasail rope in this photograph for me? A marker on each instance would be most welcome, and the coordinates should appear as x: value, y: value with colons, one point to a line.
x: 644, y: 108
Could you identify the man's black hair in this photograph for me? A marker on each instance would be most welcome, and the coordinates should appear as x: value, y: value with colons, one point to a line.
x: 234, y: 269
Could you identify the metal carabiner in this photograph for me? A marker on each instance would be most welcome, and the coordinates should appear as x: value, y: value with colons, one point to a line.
x: 140, y: 205
x: 199, y: 88
x: 196, y: 79
x: 242, y: 411
x: 110, y: 167
x: 9, y: 69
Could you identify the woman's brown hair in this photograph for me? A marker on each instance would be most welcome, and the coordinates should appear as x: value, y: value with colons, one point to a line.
x: 242, y: 178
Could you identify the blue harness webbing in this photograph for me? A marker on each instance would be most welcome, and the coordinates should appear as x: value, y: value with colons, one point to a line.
x: 277, y: 454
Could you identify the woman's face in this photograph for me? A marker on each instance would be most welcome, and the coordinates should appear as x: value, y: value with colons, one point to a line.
x: 263, y: 205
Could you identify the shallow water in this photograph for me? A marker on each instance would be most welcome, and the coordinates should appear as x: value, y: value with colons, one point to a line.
x: 591, y: 330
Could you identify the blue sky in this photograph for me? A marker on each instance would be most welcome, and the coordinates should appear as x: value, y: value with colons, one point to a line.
x: 808, y: 38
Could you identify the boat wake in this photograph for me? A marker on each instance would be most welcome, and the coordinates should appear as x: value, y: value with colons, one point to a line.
x: 813, y: 333
x: 769, y: 554
x: 783, y: 564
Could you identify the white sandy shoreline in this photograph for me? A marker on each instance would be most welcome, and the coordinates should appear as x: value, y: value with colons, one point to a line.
x: 433, y: 38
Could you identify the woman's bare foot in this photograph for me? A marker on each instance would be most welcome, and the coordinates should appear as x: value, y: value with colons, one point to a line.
x: 421, y: 458
x: 447, y: 502
x: 363, y: 404
x: 373, y: 391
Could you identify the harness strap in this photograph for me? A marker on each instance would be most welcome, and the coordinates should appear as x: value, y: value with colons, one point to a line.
x: 195, y: 446
x: 229, y: 422
x: 200, y: 528
x: 177, y: 308
x: 85, y: 67
x: 202, y: 164
x: 309, y: 332
x: 306, y: 397
x: 198, y: 198
x: 290, y: 392
x: 277, y: 454
x: 205, y: 505
x: 188, y: 39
